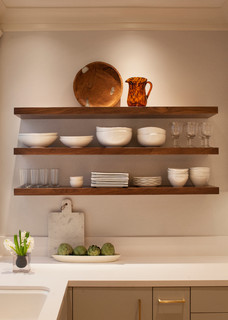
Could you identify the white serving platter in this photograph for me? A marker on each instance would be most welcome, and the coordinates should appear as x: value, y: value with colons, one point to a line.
x: 86, y: 259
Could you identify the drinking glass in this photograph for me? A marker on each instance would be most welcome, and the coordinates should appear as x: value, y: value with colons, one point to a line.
x: 190, y: 131
x: 205, y: 131
x: 24, y: 178
x: 43, y: 174
x: 54, y: 177
x: 176, y: 130
x: 34, y: 178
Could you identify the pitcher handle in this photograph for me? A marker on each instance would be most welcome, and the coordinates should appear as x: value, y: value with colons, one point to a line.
x: 151, y: 86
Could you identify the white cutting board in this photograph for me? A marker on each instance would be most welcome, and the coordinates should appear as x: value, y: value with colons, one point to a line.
x: 65, y: 227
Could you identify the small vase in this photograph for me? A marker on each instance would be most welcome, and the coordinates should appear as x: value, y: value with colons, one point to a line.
x: 21, y: 263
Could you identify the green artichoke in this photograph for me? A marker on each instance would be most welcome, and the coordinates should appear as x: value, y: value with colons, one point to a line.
x: 94, y: 251
x: 80, y: 251
x: 108, y: 249
x: 65, y: 249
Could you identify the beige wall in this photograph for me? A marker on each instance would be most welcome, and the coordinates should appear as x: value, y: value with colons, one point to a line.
x: 186, y: 68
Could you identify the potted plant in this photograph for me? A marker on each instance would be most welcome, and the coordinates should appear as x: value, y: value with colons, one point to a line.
x: 20, y: 249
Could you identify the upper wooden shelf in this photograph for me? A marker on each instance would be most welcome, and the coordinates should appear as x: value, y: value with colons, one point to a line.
x: 114, y: 151
x: 113, y: 112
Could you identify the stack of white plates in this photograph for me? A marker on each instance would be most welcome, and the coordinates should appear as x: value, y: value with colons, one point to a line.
x: 147, y: 181
x: 109, y: 179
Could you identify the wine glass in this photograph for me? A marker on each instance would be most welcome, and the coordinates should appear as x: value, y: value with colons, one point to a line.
x: 190, y: 130
x: 205, y: 129
x: 176, y: 130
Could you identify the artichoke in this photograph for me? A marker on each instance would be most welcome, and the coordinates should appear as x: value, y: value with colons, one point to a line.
x: 80, y: 251
x: 108, y: 249
x: 65, y: 249
x: 94, y: 251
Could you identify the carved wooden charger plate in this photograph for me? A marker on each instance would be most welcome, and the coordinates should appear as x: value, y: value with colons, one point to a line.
x: 98, y: 84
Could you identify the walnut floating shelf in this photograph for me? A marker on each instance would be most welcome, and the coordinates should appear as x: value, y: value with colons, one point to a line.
x: 162, y: 190
x: 113, y: 112
x: 115, y: 151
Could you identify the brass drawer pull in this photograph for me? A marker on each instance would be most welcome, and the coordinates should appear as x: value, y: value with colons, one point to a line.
x: 171, y: 301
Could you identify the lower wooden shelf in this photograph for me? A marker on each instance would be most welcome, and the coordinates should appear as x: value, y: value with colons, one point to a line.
x: 115, y: 151
x: 161, y: 190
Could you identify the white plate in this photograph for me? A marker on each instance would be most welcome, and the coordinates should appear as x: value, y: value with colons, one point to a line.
x: 86, y: 259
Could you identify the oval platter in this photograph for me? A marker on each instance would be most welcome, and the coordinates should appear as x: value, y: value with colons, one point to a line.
x: 98, y: 84
x: 86, y: 259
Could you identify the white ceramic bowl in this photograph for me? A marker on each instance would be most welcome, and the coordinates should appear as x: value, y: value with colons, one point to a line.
x: 199, y: 180
x: 37, y: 140
x: 148, y: 130
x: 108, y: 129
x: 178, y: 181
x: 76, y: 141
x: 200, y: 169
x: 116, y: 138
x: 151, y: 139
x: 174, y: 170
x: 76, y: 182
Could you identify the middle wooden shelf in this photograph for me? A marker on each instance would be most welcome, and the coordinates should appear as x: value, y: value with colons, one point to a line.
x: 115, y: 151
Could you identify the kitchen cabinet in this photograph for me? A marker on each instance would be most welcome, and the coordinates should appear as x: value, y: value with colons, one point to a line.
x: 116, y: 113
x: 209, y: 303
x: 160, y: 303
x: 112, y: 303
x: 65, y: 312
x: 171, y: 304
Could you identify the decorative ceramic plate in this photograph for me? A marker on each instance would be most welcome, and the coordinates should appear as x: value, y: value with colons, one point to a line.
x: 86, y: 259
x: 98, y: 84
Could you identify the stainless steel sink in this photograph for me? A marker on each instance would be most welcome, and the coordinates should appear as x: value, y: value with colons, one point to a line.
x: 17, y: 303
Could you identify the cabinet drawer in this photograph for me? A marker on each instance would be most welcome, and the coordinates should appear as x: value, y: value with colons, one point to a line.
x: 206, y: 299
x: 209, y: 316
x: 112, y: 303
x: 171, y: 303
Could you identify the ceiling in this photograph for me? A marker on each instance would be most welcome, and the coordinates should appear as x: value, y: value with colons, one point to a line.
x: 55, y: 15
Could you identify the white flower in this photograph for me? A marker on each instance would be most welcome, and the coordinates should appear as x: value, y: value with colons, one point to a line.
x: 30, y: 244
x: 9, y: 245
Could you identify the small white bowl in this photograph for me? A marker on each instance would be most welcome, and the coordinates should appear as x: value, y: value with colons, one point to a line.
x: 76, y: 141
x: 122, y: 129
x: 175, y: 170
x: 76, y: 182
x: 37, y: 140
x: 148, y: 130
x: 178, y: 181
x: 118, y: 138
x: 199, y: 180
x: 151, y: 139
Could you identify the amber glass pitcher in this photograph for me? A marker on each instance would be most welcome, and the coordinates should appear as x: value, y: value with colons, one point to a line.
x: 137, y: 91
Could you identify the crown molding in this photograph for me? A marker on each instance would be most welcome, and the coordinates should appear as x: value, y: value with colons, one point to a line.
x: 124, y: 18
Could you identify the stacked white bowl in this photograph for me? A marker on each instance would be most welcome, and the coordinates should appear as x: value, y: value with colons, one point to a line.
x: 76, y: 141
x: 177, y: 177
x: 114, y: 136
x: 151, y: 136
x: 76, y: 182
x: 38, y: 140
x: 199, y: 176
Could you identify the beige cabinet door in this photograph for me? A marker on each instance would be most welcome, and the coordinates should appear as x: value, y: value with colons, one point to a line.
x: 209, y: 316
x: 171, y: 304
x: 112, y: 303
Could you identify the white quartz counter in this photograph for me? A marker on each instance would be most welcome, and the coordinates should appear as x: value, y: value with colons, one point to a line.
x: 127, y: 271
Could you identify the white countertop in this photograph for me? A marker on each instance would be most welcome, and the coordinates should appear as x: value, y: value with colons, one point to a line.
x: 127, y: 271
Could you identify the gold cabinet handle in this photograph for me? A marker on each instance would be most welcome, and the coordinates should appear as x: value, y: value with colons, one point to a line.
x: 172, y: 301
x: 140, y: 308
